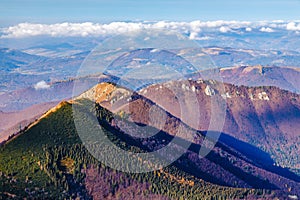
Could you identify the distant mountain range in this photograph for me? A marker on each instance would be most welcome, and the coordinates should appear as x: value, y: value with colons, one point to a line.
x: 26, y: 67
x: 22, y: 70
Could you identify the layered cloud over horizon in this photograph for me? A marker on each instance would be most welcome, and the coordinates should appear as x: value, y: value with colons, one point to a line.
x: 192, y: 29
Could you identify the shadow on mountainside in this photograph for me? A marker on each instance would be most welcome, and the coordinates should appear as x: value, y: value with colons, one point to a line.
x: 246, y: 152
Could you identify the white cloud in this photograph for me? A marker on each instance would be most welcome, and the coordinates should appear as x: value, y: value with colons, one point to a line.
x: 97, y: 29
x: 224, y: 29
x: 193, y: 35
x: 69, y: 29
x: 292, y: 26
x: 41, y: 85
x: 266, y: 29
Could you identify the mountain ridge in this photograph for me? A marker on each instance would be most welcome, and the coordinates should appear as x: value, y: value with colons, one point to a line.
x: 221, y: 169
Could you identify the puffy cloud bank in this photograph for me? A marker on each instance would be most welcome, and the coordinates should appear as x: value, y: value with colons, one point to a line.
x: 268, y: 30
x: 293, y: 26
x: 41, y: 85
x: 193, y: 29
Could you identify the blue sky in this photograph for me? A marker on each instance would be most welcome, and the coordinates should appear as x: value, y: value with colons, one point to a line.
x: 50, y: 11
